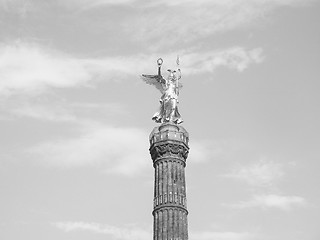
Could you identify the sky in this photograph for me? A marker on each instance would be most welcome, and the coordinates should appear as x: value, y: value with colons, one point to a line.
x: 76, y: 116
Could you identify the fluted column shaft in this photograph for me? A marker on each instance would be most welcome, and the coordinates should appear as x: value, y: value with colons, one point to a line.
x: 169, y: 150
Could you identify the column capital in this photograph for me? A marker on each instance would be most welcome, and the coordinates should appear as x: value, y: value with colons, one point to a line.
x: 169, y: 149
x: 169, y: 141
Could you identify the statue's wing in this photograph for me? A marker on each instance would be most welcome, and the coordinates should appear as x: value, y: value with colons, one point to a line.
x: 155, y: 80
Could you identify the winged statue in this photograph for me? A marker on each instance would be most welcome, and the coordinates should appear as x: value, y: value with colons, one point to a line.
x: 169, y: 88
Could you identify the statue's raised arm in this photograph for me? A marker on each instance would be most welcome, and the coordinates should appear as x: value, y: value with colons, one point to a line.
x: 169, y: 88
x: 156, y: 80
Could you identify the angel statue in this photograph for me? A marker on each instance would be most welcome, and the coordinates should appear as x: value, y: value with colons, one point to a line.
x: 169, y: 88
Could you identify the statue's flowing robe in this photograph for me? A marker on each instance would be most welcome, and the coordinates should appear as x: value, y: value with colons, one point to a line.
x: 168, y: 111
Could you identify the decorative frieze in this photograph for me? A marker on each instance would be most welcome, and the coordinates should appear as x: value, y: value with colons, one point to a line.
x: 168, y: 150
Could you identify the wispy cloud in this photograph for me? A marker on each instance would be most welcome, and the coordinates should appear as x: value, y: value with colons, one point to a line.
x: 189, y: 21
x: 17, y: 6
x: 175, y: 3
x: 236, y: 58
x: 28, y: 68
x: 207, y: 235
x: 33, y: 69
x: 271, y: 201
x: 263, y: 178
x: 164, y: 24
x: 204, y: 150
x: 43, y: 112
x: 132, y: 233
x: 88, y: 4
x: 228, y: 3
x: 263, y: 173
x: 112, y: 149
x: 51, y: 109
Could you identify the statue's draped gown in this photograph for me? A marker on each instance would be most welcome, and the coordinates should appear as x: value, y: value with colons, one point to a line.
x: 168, y: 111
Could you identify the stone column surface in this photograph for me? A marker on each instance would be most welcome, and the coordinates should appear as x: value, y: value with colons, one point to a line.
x: 169, y: 151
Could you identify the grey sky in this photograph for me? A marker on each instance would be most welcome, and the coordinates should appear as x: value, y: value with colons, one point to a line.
x: 75, y: 116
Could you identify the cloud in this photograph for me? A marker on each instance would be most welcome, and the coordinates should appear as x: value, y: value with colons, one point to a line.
x: 29, y: 68
x: 89, y: 4
x: 17, y: 6
x: 271, y: 201
x: 263, y: 173
x: 228, y: 3
x: 33, y: 69
x: 221, y: 235
x: 175, y: 3
x: 204, y: 150
x: 114, y: 150
x: 236, y: 58
x: 166, y: 23
x: 43, y: 112
x: 51, y: 109
x: 132, y: 233
x: 263, y: 177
